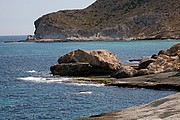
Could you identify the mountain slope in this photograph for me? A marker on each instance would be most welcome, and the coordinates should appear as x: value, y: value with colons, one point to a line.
x: 113, y: 19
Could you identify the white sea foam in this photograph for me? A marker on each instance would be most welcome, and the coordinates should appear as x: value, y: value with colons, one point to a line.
x: 64, y: 80
x: 85, y: 92
x: 43, y: 80
x: 35, y: 79
x: 87, y: 84
x: 31, y: 71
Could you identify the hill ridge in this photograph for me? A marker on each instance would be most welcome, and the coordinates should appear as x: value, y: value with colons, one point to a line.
x: 115, y: 19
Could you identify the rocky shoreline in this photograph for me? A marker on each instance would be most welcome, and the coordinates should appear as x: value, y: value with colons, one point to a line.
x: 102, y: 62
x: 85, y: 40
x: 159, y: 72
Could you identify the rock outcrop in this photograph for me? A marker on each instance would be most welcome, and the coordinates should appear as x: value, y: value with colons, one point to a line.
x: 173, y: 51
x: 101, y: 62
x: 167, y: 108
x: 97, y: 62
x: 113, y: 20
x: 166, y: 61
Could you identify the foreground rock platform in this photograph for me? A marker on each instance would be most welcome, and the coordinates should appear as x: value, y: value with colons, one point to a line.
x: 167, y: 108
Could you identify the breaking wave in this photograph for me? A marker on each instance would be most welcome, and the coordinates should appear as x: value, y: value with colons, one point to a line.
x: 64, y: 80
x: 88, y: 84
x: 43, y: 80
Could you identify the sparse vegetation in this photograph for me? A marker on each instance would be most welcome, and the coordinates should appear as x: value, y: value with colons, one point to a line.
x: 147, y: 16
x: 101, y: 80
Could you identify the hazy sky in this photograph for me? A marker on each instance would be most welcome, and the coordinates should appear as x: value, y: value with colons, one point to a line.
x: 17, y: 16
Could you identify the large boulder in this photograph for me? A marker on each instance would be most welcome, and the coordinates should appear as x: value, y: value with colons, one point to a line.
x: 71, y: 69
x: 84, y: 62
x: 99, y: 59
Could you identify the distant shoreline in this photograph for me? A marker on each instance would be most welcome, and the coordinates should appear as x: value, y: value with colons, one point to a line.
x: 70, y: 40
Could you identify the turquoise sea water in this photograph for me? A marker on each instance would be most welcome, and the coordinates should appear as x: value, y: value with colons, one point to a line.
x: 26, y: 94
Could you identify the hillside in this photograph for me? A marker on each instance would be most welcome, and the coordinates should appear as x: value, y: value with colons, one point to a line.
x: 113, y: 19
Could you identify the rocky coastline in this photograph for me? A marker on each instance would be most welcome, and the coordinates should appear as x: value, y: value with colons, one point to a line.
x: 102, y: 62
x: 159, y: 72
x: 85, y: 40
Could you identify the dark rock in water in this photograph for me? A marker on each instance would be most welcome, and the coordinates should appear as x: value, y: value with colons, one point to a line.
x: 135, y: 60
x: 30, y: 37
x: 162, y: 52
x: 154, y: 56
x: 144, y: 63
x: 113, y: 20
x: 71, y: 69
x: 124, y: 72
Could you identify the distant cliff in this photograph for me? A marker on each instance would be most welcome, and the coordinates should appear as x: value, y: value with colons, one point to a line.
x: 113, y: 19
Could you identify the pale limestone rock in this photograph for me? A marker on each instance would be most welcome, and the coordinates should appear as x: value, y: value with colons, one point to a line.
x: 96, y: 58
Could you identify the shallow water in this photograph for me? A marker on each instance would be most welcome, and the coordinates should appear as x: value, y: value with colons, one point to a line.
x: 28, y: 91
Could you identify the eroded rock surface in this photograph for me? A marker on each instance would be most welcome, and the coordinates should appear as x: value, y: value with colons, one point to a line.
x: 168, y: 60
x: 71, y: 69
x: 100, y: 61
x: 96, y: 58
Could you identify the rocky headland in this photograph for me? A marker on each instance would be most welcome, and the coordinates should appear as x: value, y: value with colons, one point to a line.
x: 113, y: 20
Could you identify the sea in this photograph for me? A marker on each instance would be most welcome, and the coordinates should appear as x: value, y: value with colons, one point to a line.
x: 29, y: 92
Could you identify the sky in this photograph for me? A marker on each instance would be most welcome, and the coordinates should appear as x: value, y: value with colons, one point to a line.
x: 17, y: 16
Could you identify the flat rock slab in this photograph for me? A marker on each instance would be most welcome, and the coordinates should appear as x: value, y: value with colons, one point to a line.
x: 168, y: 80
x: 167, y: 108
